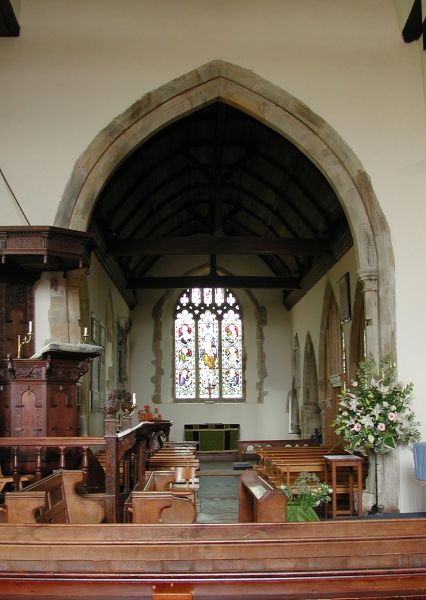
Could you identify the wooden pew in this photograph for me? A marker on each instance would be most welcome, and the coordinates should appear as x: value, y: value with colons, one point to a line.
x: 259, y: 501
x: 155, y: 501
x: 283, y: 466
x: 247, y: 448
x: 174, y: 457
x: 270, y: 458
x: 185, y: 482
x: 356, y: 558
x: 53, y: 499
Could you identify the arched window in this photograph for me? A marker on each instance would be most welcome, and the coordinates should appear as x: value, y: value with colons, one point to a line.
x: 208, y: 345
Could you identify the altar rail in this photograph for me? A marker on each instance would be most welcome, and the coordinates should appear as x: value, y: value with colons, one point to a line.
x: 126, y: 454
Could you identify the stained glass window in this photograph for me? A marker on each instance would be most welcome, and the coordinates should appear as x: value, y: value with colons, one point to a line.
x: 208, y: 345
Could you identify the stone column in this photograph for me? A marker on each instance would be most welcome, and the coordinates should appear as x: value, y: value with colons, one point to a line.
x: 388, y: 464
x: 369, y: 281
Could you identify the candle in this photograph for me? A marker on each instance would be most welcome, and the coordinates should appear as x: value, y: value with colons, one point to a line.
x: 30, y: 327
x: 85, y: 332
x: 134, y: 398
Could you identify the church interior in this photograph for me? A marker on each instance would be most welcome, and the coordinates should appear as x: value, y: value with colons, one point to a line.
x: 212, y: 217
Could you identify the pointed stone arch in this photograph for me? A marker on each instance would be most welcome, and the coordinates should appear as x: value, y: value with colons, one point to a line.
x: 294, y: 395
x: 311, y: 410
x: 330, y: 364
x: 276, y: 108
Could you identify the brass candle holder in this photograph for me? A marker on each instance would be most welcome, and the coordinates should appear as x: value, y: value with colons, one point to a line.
x: 26, y: 339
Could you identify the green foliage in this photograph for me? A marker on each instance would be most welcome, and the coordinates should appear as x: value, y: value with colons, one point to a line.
x: 309, y: 494
x: 374, y: 413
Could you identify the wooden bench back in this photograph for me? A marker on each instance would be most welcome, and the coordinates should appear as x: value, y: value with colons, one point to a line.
x: 259, y: 501
x: 53, y: 499
x: 40, y: 502
x: 155, y: 502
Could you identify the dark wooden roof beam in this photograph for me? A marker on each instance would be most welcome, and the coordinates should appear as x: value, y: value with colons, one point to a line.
x: 278, y: 217
x: 276, y: 190
x: 142, y: 202
x: 299, y: 184
x: 232, y: 281
x: 203, y: 244
x: 172, y: 199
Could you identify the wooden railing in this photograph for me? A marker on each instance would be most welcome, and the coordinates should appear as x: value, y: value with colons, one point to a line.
x: 125, y: 455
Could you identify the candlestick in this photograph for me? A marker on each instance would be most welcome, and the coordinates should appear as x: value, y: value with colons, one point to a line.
x: 25, y: 340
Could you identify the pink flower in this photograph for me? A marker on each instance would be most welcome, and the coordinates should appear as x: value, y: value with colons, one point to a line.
x: 381, y: 426
x: 357, y: 427
x: 391, y: 416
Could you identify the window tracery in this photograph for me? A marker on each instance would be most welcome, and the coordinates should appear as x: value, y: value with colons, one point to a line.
x: 208, y: 345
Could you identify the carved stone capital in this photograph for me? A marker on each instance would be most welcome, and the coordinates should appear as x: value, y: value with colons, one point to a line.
x: 369, y: 279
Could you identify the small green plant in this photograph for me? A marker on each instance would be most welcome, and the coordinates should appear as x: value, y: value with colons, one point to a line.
x: 309, y: 493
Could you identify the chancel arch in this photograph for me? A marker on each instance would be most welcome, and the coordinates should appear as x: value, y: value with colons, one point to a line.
x: 276, y: 108
x: 285, y: 115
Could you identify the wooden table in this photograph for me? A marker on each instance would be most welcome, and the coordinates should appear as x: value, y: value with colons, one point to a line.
x: 351, y: 462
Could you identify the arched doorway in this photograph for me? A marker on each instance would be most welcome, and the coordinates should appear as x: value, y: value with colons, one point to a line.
x: 287, y: 116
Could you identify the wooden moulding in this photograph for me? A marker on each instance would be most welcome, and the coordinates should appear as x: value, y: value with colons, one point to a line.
x: 344, y: 559
x: 44, y: 248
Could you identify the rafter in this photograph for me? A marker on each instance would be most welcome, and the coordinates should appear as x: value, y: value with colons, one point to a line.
x: 232, y: 281
x: 219, y: 245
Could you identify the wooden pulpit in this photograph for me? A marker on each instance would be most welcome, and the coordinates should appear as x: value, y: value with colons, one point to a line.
x: 39, y: 395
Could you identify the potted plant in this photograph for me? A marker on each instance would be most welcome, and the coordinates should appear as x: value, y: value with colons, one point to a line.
x: 309, y: 494
x: 374, y: 412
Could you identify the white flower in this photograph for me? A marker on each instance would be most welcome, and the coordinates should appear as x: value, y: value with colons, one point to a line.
x: 367, y: 421
x: 353, y: 404
x: 376, y: 411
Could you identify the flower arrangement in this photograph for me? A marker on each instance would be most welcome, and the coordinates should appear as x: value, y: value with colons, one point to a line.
x: 310, y: 494
x: 374, y: 413
x: 146, y: 414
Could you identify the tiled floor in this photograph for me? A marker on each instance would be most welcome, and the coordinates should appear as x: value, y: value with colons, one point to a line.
x: 218, y: 493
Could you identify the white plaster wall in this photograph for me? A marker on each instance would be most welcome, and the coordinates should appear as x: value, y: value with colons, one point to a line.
x: 268, y: 420
x: 78, y: 64
x: 306, y: 315
x: 100, y: 287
